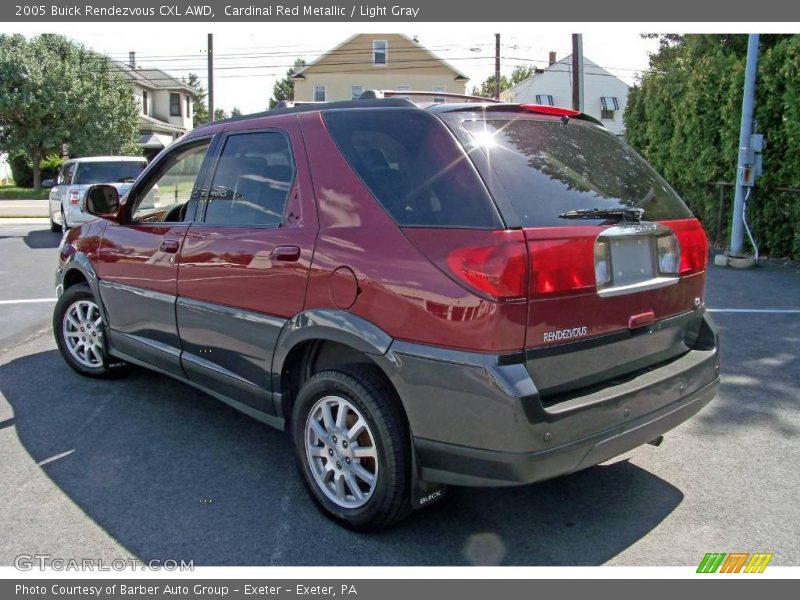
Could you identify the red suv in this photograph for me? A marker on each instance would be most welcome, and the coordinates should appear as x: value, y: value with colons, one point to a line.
x: 472, y: 294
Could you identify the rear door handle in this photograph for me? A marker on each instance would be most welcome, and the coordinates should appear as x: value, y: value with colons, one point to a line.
x: 170, y: 246
x: 285, y: 253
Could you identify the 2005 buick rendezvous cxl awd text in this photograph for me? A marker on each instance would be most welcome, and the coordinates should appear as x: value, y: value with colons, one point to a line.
x: 469, y: 293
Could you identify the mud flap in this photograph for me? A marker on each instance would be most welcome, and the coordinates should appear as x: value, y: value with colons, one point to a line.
x: 423, y: 493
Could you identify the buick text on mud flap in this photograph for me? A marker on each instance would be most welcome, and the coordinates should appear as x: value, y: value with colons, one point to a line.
x: 565, y: 334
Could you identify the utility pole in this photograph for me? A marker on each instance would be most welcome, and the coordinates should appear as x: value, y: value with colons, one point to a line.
x: 497, y: 66
x: 745, y: 173
x: 211, y: 76
x: 577, y: 72
x: 581, y: 86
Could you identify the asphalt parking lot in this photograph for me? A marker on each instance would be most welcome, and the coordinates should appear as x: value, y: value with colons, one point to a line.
x: 148, y: 467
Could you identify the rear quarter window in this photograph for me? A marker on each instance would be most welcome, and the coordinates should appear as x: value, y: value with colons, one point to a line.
x: 548, y: 167
x: 414, y: 167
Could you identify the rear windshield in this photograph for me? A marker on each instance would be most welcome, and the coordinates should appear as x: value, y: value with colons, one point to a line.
x: 108, y: 172
x: 414, y: 167
x: 547, y: 168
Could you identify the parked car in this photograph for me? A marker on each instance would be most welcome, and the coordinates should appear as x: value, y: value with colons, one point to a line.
x: 78, y: 175
x: 464, y: 294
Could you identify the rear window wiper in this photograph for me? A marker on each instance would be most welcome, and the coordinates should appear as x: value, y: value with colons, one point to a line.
x: 621, y: 214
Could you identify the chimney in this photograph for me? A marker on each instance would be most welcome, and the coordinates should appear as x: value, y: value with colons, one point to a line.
x: 132, y: 59
x: 552, y: 58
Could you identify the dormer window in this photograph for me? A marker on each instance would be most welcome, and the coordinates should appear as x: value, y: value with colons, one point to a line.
x: 380, y: 52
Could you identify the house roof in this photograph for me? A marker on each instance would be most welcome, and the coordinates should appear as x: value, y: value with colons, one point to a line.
x: 155, y: 125
x: 459, y: 76
x: 152, y: 78
x: 558, y: 66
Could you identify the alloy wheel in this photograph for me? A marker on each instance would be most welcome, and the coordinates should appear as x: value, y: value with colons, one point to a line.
x: 341, y: 452
x: 82, y: 327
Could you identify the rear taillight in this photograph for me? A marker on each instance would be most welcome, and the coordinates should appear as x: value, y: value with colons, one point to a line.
x: 74, y: 196
x: 693, y: 244
x: 494, y: 263
x: 565, y: 266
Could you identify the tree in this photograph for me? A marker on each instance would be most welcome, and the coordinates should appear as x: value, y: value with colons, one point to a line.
x: 284, y: 88
x: 236, y: 112
x: 199, y: 95
x: 520, y: 73
x: 683, y: 115
x: 219, y: 114
x: 57, y: 92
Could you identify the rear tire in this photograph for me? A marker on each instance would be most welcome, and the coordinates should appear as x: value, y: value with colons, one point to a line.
x: 353, y: 445
x: 79, y: 331
x: 54, y: 227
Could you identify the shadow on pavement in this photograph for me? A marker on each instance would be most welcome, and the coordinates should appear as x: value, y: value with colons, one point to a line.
x: 171, y: 473
x: 42, y: 238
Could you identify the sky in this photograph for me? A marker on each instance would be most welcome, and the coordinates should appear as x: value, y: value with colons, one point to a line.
x: 250, y: 56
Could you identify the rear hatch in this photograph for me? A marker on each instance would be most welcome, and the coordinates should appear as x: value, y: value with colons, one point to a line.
x: 616, y: 261
x: 119, y: 173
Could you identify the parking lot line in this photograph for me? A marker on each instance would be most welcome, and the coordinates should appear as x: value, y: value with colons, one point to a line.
x: 54, y: 458
x: 28, y: 301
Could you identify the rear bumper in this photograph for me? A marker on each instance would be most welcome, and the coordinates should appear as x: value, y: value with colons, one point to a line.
x: 488, y: 427
x: 459, y: 465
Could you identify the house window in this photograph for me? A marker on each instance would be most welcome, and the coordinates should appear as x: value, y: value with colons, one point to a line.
x: 609, y: 103
x: 174, y: 105
x: 320, y: 93
x: 356, y: 91
x: 188, y: 105
x: 403, y: 88
x: 144, y: 103
x: 545, y: 99
x: 607, y: 114
x: 380, y: 52
x: 439, y: 89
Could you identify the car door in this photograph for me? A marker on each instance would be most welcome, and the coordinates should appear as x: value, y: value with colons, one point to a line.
x: 244, y: 264
x: 137, y: 260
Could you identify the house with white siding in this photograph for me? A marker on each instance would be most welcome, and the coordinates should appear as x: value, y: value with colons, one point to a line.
x: 605, y: 96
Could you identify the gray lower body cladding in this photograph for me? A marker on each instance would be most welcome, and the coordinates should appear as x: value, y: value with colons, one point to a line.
x: 479, y: 421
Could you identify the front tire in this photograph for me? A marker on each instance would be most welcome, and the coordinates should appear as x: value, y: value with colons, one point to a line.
x: 353, y: 445
x: 79, y: 331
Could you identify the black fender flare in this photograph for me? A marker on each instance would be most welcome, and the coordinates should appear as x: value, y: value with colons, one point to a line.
x: 80, y: 262
x: 327, y: 324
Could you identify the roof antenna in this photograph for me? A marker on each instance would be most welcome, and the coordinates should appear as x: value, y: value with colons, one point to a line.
x: 565, y: 119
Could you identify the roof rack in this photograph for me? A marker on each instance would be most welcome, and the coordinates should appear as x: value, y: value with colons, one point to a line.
x: 372, y: 94
x: 288, y: 107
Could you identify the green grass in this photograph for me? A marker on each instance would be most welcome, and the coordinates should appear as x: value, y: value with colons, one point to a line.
x: 12, y: 192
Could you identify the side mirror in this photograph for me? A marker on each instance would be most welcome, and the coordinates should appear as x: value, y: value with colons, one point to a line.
x: 102, y: 201
x: 48, y: 183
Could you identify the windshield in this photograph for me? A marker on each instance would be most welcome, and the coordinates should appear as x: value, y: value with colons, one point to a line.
x: 547, y: 168
x: 108, y: 172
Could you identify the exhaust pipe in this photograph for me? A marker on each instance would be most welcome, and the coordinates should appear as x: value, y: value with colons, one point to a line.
x: 656, y: 441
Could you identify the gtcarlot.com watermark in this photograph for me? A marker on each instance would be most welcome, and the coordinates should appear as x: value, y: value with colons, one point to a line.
x: 30, y: 562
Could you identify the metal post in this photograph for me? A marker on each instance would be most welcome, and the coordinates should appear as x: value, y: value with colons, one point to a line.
x: 211, y: 76
x: 576, y: 80
x: 745, y: 131
x: 497, y: 66
x: 581, y: 87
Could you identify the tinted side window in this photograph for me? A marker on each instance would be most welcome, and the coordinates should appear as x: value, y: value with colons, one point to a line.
x: 66, y: 175
x: 413, y: 166
x: 252, y: 180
